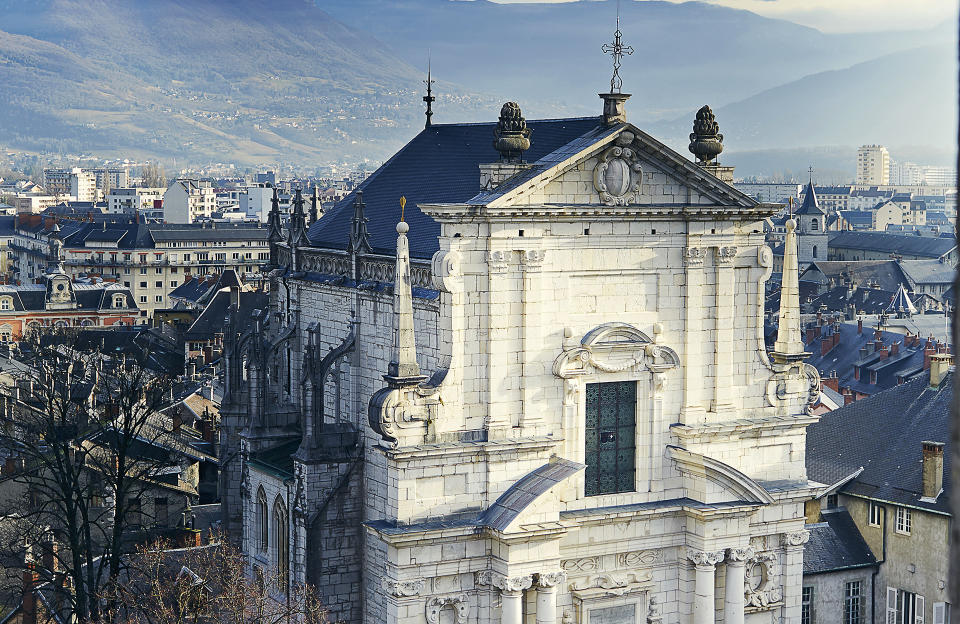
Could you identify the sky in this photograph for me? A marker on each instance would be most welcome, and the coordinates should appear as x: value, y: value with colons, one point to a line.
x: 844, y: 15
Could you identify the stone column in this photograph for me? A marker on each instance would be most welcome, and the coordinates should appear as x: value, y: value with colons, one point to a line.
x: 547, y: 596
x: 733, y: 601
x: 704, y: 594
x: 511, y: 598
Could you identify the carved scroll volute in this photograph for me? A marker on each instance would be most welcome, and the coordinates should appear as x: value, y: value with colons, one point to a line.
x: 398, y: 417
x: 447, y: 274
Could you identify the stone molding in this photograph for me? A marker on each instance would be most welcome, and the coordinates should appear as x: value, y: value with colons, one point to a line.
x: 739, y: 555
x: 726, y: 255
x: 764, y: 592
x: 497, y: 261
x: 639, y: 558
x: 551, y: 579
x: 797, y: 538
x: 403, y: 589
x: 514, y: 584
x: 618, y: 173
x: 693, y: 256
x: 613, y: 348
x: 611, y: 584
x: 584, y: 564
x: 704, y: 557
x: 532, y: 259
x: 459, y: 602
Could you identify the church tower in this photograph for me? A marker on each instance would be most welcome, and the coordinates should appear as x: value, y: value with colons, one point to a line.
x: 811, y: 229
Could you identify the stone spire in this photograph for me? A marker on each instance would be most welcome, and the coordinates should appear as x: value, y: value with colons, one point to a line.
x: 359, y: 236
x: 789, y: 345
x: 403, y: 369
x: 316, y: 209
x: 298, y: 223
x: 274, y: 220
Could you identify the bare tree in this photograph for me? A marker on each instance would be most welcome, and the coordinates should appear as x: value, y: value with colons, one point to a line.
x: 209, y: 583
x: 152, y: 176
x: 79, y: 427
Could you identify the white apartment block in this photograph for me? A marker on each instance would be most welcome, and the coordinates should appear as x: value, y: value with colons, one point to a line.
x: 189, y: 200
x: 133, y: 200
x: 873, y: 165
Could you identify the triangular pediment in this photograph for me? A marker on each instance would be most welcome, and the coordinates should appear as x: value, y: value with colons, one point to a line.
x: 621, y: 166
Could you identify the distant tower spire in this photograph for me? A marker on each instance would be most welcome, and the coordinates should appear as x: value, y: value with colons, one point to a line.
x: 274, y: 220
x: 789, y: 345
x: 428, y: 98
x: 403, y: 369
x: 810, y: 171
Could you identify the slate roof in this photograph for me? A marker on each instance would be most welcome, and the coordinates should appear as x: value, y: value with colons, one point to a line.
x: 222, y: 232
x: 810, y: 204
x: 846, y: 355
x: 439, y: 165
x: 192, y: 289
x: 865, y: 300
x: 278, y: 459
x: 857, y: 218
x: 211, y: 320
x: 885, y: 273
x: 519, y: 495
x: 889, y: 428
x: 835, y: 544
x: 89, y: 296
x: 928, y: 271
x: 923, y: 246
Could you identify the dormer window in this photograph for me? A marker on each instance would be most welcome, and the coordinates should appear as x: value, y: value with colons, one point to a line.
x: 6, y: 303
x: 119, y: 301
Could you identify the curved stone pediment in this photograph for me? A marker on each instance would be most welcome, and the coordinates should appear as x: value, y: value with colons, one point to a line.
x: 614, y: 347
x: 728, y: 479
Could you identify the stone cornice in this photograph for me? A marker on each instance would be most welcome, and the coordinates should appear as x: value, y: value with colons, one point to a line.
x: 751, y: 425
x: 467, y: 213
x: 454, y: 449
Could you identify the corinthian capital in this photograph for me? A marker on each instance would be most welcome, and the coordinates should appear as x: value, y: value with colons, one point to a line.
x: 504, y: 583
x: 798, y: 538
x: 705, y: 558
x: 551, y: 579
x: 739, y: 555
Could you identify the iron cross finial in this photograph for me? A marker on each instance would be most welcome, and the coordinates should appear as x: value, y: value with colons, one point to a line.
x: 810, y: 171
x: 617, y: 50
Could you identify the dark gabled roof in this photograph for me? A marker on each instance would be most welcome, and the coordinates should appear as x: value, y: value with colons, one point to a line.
x: 88, y: 296
x: 212, y: 320
x: 810, y: 204
x: 888, y: 428
x: 924, y: 246
x: 857, y: 217
x: 192, y: 289
x: 835, y: 544
x: 843, y: 357
x: 197, y: 232
x: 439, y: 165
x: 928, y: 271
x: 834, y: 190
x: 7, y: 225
x: 865, y: 300
x: 109, y: 235
x: 885, y: 273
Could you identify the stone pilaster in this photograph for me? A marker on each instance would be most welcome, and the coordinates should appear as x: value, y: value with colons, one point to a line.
x: 723, y: 340
x: 792, y: 573
x: 733, y: 600
x: 693, y: 325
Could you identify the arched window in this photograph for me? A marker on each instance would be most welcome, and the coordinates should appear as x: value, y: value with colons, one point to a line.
x: 6, y: 333
x: 262, y: 522
x: 814, y: 251
x: 815, y: 225
x: 281, y: 544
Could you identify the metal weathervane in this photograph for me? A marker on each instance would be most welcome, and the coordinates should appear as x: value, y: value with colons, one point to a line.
x: 617, y: 50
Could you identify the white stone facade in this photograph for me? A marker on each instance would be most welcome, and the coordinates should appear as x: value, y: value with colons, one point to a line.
x: 474, y: 492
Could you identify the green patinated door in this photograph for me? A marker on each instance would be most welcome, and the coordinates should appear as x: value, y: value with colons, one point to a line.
x: 611, y: 437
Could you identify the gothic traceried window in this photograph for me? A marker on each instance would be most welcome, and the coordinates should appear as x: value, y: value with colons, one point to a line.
x: 611, y: 410
x: 281, y: 545
x: 262, y: 522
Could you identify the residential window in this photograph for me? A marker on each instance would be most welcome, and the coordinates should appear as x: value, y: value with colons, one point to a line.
x: 159, y: 283
x: 159, y: 270
x: 143, y: 270
x: 186, y: 257
x: 941, y: 613
x: 143, y: 298
x: 876, y: 514
x: 852, y: 603
x: 6, y: 303
x: 832, y: 501
x: 143, y: 284
x: 126, y: 271
x: 159, y: 298
x: 904, y: 607
x: 126, y: 284
x: 173, y: 284
x: 904, y: 520
x: 806, y: 605
x: 611, y: 410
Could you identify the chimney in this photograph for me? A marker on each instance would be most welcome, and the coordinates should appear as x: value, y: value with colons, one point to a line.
x: 932, y: 469
x: 832, y: 382
x: 177, y: 420
x: 928, y: 352
x: 940, y: 364
x: 895, y: 348
x: 28, y: 609
x: 848, y: 397
x: 49, y: 560
x: 192, y: 370
x: 859, y: 326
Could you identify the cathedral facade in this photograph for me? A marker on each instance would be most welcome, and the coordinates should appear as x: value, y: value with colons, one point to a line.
x: 519, y: 376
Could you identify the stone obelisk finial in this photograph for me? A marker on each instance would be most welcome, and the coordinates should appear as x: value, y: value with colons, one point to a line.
x: 789, y: 345
x: 403, y: 369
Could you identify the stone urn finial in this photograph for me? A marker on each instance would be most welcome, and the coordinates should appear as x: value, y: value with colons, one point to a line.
x: 706, y: 142
x: 512, y: 136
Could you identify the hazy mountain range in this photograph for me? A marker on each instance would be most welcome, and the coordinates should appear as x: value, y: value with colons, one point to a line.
x: 311, y: 82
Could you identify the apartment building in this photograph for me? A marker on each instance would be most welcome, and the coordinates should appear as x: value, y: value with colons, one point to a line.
x: 149, y: 259
x: 189, y: 200
x: 130, y: 200
x: 84, y: 184
x: 873, y: 165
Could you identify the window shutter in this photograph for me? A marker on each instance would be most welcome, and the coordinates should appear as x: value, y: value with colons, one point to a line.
x: 918, y: 615
x: 939, y: 613
x: 891, y: 605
